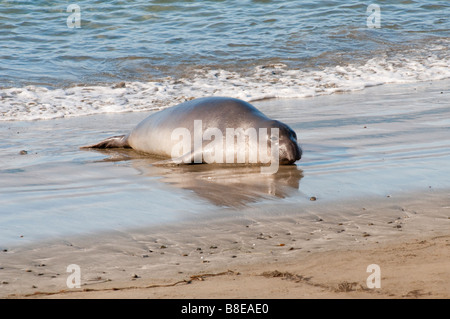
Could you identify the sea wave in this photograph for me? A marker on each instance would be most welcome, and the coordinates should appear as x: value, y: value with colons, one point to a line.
x: 275, y: 80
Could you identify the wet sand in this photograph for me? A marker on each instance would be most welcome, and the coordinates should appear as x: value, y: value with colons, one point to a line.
x: 375, y: 162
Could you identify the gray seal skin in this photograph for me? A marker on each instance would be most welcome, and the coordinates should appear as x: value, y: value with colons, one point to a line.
x: 154, y: 135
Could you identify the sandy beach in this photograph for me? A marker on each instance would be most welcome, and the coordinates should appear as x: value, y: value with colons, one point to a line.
x: 323, y: 253
x: 372, y: 188
x: 365, y: 213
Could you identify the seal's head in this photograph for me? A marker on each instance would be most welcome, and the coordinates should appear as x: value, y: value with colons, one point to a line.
x: 289, y: 150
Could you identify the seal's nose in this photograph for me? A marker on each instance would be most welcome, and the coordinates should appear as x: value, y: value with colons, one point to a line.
x: 294, y: 153
x: 299, y: 152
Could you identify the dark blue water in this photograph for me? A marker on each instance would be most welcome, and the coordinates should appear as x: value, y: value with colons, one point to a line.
x: 145, y: 40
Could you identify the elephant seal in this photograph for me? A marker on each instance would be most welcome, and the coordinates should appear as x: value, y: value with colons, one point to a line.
x: 213, y: 130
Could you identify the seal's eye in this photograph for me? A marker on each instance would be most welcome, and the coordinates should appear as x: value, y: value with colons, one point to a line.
x: 294, y: 135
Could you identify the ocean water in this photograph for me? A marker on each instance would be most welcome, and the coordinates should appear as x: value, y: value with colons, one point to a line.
x: 74, y: 58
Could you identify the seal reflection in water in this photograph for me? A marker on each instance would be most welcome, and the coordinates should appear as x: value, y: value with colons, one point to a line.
x: 221, y: 185
x: 205, y: 125
x: 234, y: 186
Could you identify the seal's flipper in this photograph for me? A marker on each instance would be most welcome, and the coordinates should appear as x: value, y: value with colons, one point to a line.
x: 120, y: 141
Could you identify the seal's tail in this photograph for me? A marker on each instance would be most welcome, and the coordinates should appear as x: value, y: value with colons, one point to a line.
x: 120, y: 141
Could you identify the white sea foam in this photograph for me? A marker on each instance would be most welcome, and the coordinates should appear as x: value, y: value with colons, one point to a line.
x: 269, y: 81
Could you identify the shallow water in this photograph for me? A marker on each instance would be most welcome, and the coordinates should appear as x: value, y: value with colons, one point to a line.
x: 389, y: 140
